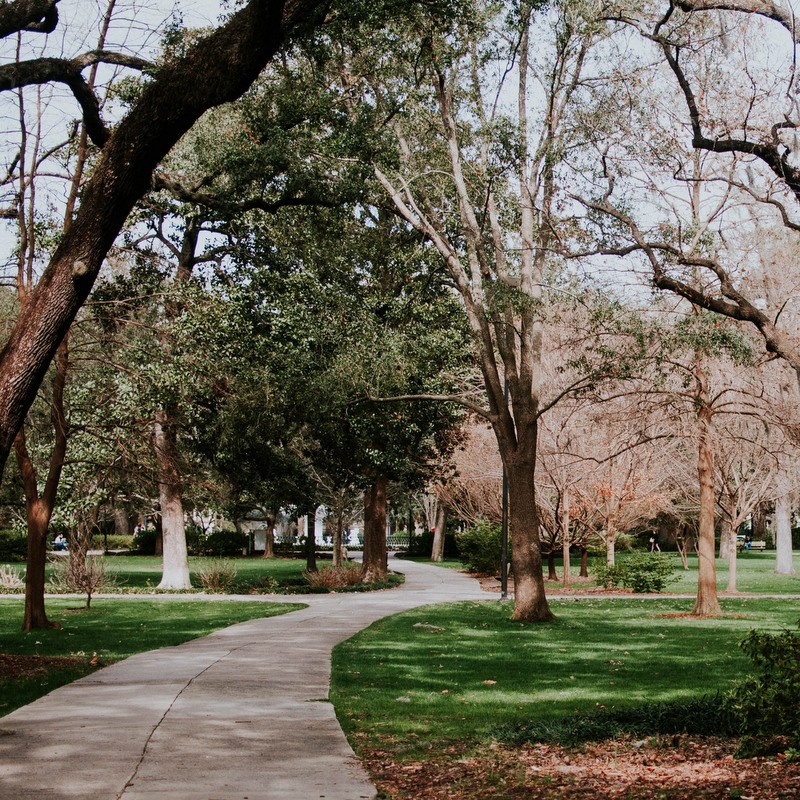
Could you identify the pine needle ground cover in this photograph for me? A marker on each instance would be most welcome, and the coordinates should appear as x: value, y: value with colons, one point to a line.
x: 32, y: 664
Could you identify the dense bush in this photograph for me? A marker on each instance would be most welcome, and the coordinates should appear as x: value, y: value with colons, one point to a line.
x: 766, y: 703
x: 641, y: 572
x: 480, y: 548
x: 144, y: 541
x: 422, y: 545
x: 13, y: 545
x: 225, y: 543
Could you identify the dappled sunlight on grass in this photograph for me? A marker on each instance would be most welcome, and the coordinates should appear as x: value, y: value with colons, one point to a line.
x: 467, y: 667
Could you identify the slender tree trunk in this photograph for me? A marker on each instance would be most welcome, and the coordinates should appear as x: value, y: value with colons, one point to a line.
x: 39, y: 508
x: 611, y: 547
x: 311, y: 543
x: 439, y: 533
x: 552, y: 575
x: 338, y: 527
x: 565, y: 543
x: 706, y: 604
x: 729, y: 535
x: 584, y: 563
x: 374, y: 566
x: 784, y: 562
x: 269, y: 536
x: 530, y: 602
x: 175, y: 573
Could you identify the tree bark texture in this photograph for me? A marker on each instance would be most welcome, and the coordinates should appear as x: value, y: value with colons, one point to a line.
x: 374, y: 566
x: 439, y: 533
x: 175, y: 573
x: 565, y: 539
x: 784, y: 562
x: 39, y: 508
x: 530, y: 602
x: 706, y: 603
x: 216, y: 70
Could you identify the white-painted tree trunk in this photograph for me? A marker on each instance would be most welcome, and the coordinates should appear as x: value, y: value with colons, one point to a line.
x: 175, y: 573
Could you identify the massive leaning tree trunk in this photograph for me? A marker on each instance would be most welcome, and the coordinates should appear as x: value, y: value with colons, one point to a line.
x: 216, y: 70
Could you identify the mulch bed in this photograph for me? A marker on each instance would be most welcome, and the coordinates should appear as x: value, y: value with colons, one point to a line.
x: 670, y: 768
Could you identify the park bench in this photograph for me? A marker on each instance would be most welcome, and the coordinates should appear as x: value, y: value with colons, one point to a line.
x: 755, y: 545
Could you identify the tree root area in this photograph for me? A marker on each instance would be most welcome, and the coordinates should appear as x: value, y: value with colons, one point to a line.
x: 666, y: 768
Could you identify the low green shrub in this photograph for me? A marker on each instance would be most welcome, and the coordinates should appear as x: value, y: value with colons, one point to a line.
x: 225, y: 543
x: 765, y: 703
x: 480, y: 548
x: 13, y: 545
x: 641, y: 572
x: 112, y: 541
x: 705, y: 716
x: 144, y: 541
x: 217, y: 575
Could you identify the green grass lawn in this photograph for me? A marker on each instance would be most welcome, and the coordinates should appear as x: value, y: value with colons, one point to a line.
x: 113, y: 629
x: 467, y: 667
x: 755, y: 573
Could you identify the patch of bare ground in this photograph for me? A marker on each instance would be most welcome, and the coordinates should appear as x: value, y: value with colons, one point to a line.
x: 13, y: 667
x: 667, y: 768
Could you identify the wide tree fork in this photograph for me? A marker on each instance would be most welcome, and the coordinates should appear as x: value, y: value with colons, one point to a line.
x: 501, y: 287
x: 215, y: 70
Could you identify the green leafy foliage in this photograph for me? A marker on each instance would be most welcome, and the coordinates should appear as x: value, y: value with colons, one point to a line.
x: 480, y: 547
x: 13, y: 545
x: 422, y: 545
x: 765, y: 704
x: 703, y: 716
x: 641, y: 572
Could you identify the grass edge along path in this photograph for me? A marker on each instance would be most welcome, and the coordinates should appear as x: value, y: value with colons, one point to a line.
x: 33, y: 664
x: 439, y: 675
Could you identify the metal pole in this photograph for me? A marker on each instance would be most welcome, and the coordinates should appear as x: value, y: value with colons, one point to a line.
x: 504, y: 522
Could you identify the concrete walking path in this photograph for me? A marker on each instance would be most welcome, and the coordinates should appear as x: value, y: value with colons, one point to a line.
x: 241, y: 714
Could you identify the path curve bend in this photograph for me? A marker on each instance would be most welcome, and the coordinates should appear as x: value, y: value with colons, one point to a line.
x: 241, y: 714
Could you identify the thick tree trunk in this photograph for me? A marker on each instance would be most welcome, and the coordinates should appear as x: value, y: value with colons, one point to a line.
x: 218, y: 69
x: 439, y: 533
x: 706, y: 603
x: 374, y: 565
x: 784, y: 562
x: 35, y: 615
x: 175, y: 558
x: 760, y: 522
x: 530, y: 602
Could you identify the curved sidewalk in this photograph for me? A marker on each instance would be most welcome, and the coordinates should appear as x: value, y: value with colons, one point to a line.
x: 241, y: 714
